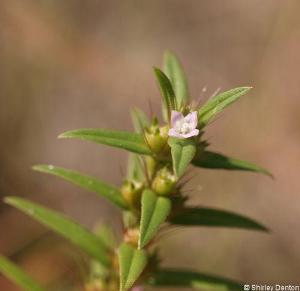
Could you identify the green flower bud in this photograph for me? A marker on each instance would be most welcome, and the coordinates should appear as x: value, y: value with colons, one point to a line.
x: 164, y: 182
x: 157, y: 138
x: 131, y: 191
x: 95, y: 285
x: 151, y: 165
x: 130, y: 219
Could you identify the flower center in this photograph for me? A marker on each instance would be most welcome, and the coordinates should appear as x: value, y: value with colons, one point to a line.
x: 183, y: 126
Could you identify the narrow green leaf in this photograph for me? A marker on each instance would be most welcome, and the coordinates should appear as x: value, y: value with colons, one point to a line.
x: 211, y: 217
x: 215, y: 105
x: 212, y: 160
x: 132, y: 263
x: 155, y: 210
x: 64, y: 226
x: 139, y: 120
x: 174, y: 71
x: 169, y: 99
x: 132, y: 142
x: 195, y: 280
x: 183, y: 152
x: 87, y: 182
x: 18, y: 276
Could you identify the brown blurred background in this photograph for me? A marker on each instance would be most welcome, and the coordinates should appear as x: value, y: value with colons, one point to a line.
x: 75, y: 64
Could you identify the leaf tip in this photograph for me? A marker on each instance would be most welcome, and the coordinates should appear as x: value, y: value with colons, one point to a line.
x: 156, y: 70
x: 63, y: 135
x: 263, y: 228
x: 167, y: 54
x: 270, y: 175
x: 40, y: 167
x: 268, y: 230
x: 67, y: 134
x: 170, y: 54
x: 266, y: 172
x: 246, y: 89
x: 10, y: 200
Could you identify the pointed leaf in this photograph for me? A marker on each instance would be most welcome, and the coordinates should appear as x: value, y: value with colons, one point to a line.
x: 213, y: 160
x: 132, y: 263
x: 139, y: 120
x: 211, y: 217
x: 64, y: 226
x: 195, y: 280
x: 169, y: 99
x: 87, y: 182
x: 155, y: 210
x: 215, y: 105
x: 183, y: 152
x: 18, y: 276
x: 132, y: 142
x: 174, y: 70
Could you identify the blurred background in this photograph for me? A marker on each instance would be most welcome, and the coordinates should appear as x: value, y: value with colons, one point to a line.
x: 78, y: 64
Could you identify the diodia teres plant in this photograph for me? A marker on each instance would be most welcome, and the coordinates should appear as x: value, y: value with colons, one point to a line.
x: 151, y: 195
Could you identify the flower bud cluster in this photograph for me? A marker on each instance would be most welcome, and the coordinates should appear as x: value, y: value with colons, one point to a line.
x: 164, y: 182
x: 132, y: 191
x: 157, y: 138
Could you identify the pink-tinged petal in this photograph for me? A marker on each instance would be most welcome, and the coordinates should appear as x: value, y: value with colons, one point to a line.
x: 192, y: 118
x: 175, y: 116
x: 172, y: 132
x: 194, y: 132
x: 137, y: 288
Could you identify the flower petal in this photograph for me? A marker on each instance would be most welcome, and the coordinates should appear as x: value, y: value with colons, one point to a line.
x: 175, y: 116
x: 174, y: 133
x: 194, y: 132
x: 192, y: 118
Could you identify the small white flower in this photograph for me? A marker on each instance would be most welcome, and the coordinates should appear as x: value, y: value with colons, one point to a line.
x: 183, y: 126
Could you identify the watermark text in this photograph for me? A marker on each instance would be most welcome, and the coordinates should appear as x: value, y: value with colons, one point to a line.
x: 275, y: 287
